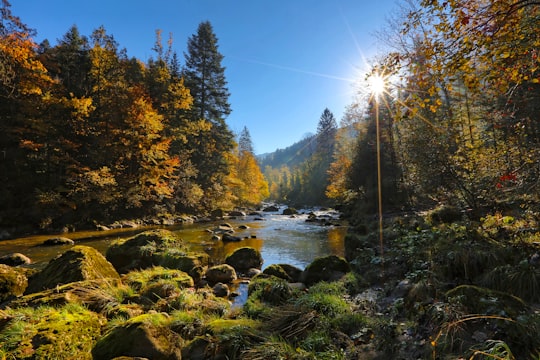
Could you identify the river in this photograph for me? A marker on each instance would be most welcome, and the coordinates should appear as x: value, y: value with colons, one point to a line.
x: 279, y: 238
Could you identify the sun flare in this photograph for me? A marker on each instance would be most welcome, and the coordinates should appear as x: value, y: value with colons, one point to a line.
x: 377, y: 85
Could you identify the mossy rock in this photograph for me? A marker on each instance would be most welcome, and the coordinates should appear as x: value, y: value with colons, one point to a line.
x: 77, y: 264
x: 245, y: 258
x: 278, y: 271
x: 138, y: 279
x: 181, y: 261
x: 269, y: 289
x: 327, y: 268
x: 149, y: 248
x: 146, y: 336
x: 13, y: 282
x: 293, y: 272
x: 68, y: 332
x: 223, y: 273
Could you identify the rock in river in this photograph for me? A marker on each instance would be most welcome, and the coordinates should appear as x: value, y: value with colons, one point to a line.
x: 78, y: 263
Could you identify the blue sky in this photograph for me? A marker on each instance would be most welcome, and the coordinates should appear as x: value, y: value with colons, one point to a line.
x: 286, y: 60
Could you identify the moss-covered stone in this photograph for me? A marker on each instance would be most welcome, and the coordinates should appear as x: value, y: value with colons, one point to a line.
x: 138, y: 280
x: 181, y: 261
x: 143, y: 336
x: 223, y: 273
x: 245, y: 258
x: 293, y: 272
x: 77, y: 264
x: 327, y: 268
x: 278, y: 271
x: 154, y: 248
x: 269, y: 289
x: 13, y: 282
x: 68, y: 332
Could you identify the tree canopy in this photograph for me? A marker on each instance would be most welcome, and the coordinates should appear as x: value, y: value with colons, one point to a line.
x: 90, y: 134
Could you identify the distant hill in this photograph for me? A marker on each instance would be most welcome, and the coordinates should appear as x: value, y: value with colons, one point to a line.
x: 290, y: 156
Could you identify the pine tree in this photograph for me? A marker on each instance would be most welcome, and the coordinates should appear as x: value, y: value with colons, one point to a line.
x: 205, y: 78
x: 326, y: 133
x: 244, y: 141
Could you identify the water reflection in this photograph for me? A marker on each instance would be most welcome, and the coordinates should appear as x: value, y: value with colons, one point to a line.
x: 280, y: 239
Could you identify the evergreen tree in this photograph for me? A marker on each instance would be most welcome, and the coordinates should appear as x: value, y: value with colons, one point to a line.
x: 72, y: 62
x: 244, y: 141
x: 326, y: 133
x: 205, y: 78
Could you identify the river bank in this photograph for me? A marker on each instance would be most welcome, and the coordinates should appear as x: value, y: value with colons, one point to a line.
x: 443, y: 287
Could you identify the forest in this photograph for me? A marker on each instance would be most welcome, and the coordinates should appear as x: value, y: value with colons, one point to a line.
x: 90, y: 134
x: 457, y: 124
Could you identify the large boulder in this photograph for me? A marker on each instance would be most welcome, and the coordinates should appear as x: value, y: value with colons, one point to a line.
x: 77, y: 264
x: 223, y: 273
x: 154, y: 248
x: 245, y: 258
x: 13, y: 282
x: 141, y: 337
x: 326, y: 268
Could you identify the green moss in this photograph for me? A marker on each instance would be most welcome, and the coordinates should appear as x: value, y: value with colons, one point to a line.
x: 222, y: 326
x: 69, y: 332
x: 145, y: 249
x: 13, y: 282
x: 270, y: 289
x: 278, y: 271
x: 140, y: 279
x: 201, y: 301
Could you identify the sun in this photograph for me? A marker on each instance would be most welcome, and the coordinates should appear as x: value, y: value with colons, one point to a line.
x: 377, y: 85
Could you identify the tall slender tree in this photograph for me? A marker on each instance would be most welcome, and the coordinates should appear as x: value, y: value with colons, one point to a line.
x: 205, y: 78
x: 244, y: 141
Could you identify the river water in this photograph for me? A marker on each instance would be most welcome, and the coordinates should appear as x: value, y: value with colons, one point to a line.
x: 279, y: 238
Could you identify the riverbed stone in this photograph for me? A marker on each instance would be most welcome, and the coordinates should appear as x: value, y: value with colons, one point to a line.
x: 58, y: 241
x: 271, y: 208
x: 13, y: 282
x: 326, y: 268
x: 278, y: 271
x: 295, y: 273
x: 245, y: 258
x: 221, y: 290
x: 77, y: 264
x: 289, y: 211
x: 230, y: 238
x: 15, y: 259
x: 223, y: 273
x: 146, y: 249
x: 142, y: 336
